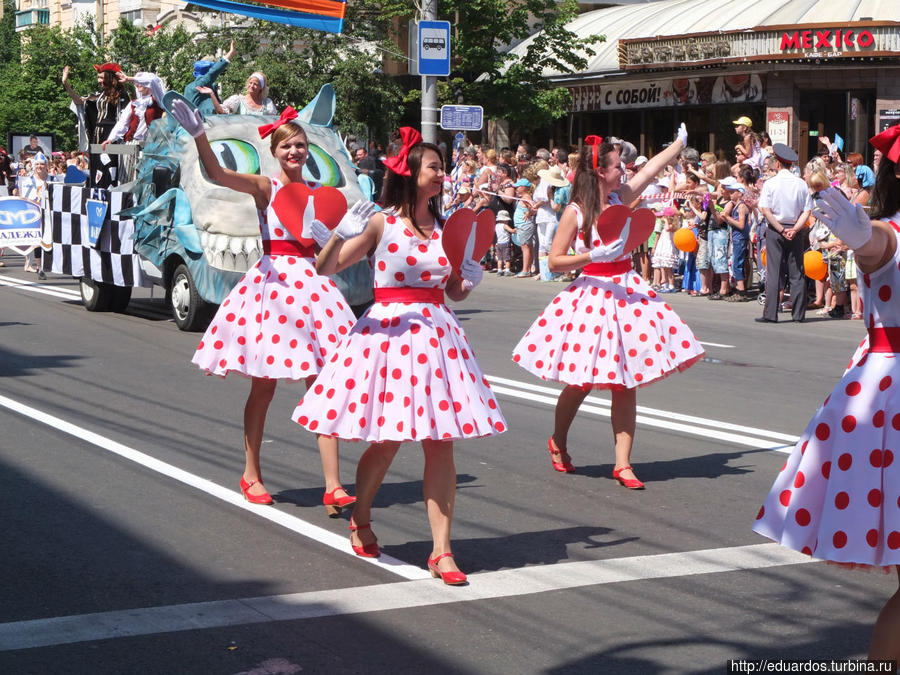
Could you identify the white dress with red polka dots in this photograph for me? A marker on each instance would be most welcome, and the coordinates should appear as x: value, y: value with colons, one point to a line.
x: 607, y: 332
x: 282, y: 320
x: 406, y: 372
x: 838, y: 495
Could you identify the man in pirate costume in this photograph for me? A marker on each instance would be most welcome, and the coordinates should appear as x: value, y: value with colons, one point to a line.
x: 97, y: 114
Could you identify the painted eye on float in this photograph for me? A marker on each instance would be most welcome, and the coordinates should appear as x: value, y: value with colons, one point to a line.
x: 236, y: 155
x: 321, y: 168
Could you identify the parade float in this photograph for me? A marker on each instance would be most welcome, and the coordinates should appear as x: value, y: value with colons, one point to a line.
x: 170, y: 226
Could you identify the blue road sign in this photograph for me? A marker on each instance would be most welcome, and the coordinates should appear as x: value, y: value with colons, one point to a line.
x: 462, y: 117
x: 434, y: 48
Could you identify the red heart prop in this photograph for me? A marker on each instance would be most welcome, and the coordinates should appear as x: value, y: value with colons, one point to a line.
x: 289, y: 205
x: 456, y: 235
x: 331, y: 205
x: 613, y: 218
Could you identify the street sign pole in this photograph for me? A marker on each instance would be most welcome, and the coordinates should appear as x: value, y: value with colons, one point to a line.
x: 429, y: 83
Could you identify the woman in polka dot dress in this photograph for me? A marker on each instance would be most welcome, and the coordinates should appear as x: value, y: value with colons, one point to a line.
x: 838, y: 495
x: 282, y: 320
x: 406, y: 372
x: 608, y: 329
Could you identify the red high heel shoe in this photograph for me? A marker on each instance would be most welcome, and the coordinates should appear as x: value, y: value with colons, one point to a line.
x: 333, y: 505
x: 562, y: 467
x: 630, y: 483
x: 367, y: 550
x: 264, y: 498
x: 450, y: 578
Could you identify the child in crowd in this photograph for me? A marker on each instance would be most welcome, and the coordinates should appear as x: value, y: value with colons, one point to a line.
x: 665, y: 256
x: 504, y: 230
x: 523, y: 218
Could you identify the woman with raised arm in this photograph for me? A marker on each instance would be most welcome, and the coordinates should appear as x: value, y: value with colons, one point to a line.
x: 608, y: 329
x: 837, y: 498
x: 282, y: 320
x: 406, y: 372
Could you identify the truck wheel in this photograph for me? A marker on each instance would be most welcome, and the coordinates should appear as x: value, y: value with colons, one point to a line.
x: 121, y: 296
x: 96, y: 296
x: 190, y: 311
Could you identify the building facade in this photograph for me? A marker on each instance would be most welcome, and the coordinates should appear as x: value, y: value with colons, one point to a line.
x: 800, y: 70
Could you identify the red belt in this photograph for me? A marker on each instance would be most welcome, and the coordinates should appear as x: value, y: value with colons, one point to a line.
x: 409, y: 294
x: 275, y: 247
x: 607, y: 269
x: 884, y: 340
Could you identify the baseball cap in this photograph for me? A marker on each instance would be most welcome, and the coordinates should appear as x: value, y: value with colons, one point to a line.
x: 522, y: 182
x: 743, y: 119
x: 731, y: 184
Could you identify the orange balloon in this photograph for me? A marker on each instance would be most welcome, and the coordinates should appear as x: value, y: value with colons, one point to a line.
x: 764, y: 257
x: 814, y: 265
x: 685, y: 240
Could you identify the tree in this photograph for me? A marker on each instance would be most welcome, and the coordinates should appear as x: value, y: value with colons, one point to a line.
x: 169, y: 52
x: 297, y: 62
x: 32, y: 99
x: 484, y: 73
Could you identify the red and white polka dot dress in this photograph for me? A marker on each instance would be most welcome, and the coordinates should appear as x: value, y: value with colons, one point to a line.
x: 406, y: 372
x: 838, y: 495
x: 282, y: 320
x: 607, y: 332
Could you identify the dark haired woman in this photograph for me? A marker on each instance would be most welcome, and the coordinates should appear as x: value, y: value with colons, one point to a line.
x: 282, y: 320
x: 97, y: 114
x: 406, y: 372
x: 608, y: 329
x: 837, y: 497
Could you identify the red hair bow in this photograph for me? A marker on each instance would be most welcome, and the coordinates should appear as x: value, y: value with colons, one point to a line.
x: 397, y: 163
x: 594, y: 142
x: 888, y: 141
x: 287, y: 115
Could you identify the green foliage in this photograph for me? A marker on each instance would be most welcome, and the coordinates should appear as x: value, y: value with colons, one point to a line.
x: 169, y: 52
x: 297, y: 62
x: 485, y: 74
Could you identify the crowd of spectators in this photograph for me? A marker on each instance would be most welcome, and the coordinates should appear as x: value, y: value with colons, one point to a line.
x: 714, y: 195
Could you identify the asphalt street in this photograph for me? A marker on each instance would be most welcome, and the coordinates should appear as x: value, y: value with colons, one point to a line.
x: 128, y: 548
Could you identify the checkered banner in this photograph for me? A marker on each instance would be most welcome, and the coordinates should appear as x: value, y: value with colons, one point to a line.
x: 111, y: 259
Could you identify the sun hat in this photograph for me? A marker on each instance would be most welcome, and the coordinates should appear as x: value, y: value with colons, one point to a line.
x: 743, y: 119
x: 522, y: 182
x: 553, y: 176
x: 463, y: 190
x: 503, y: 215
x: 640, y: 161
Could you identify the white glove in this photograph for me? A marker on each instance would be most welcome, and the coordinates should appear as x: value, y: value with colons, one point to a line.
x: 609, y: 252
x: 319, y: 232
x: 191, y: 120
x: 355, y: 220
x: 682, y: 134
x: 471, y: 274
x: 848, y: 221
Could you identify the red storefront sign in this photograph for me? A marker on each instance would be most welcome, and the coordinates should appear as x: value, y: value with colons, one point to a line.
x: 827, y: 39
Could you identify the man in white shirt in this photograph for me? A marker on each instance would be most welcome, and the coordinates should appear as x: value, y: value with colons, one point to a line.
x: 786, y: 204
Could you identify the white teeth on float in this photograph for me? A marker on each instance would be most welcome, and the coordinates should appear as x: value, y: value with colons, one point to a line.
x: 232, y: 254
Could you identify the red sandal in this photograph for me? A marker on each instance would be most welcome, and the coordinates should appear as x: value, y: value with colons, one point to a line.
x: 264, y: 498
x: 456, y: 578
x: 366, y: 550
x: 334, y: 505
x: 630, y: 483
x: 564, y: 466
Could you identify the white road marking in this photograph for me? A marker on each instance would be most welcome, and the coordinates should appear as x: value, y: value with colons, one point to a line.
x: 716, y: 344
x: 386, y: 597
x: 321, y: 535
x: 653, y: 417
x: 64, y: 293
